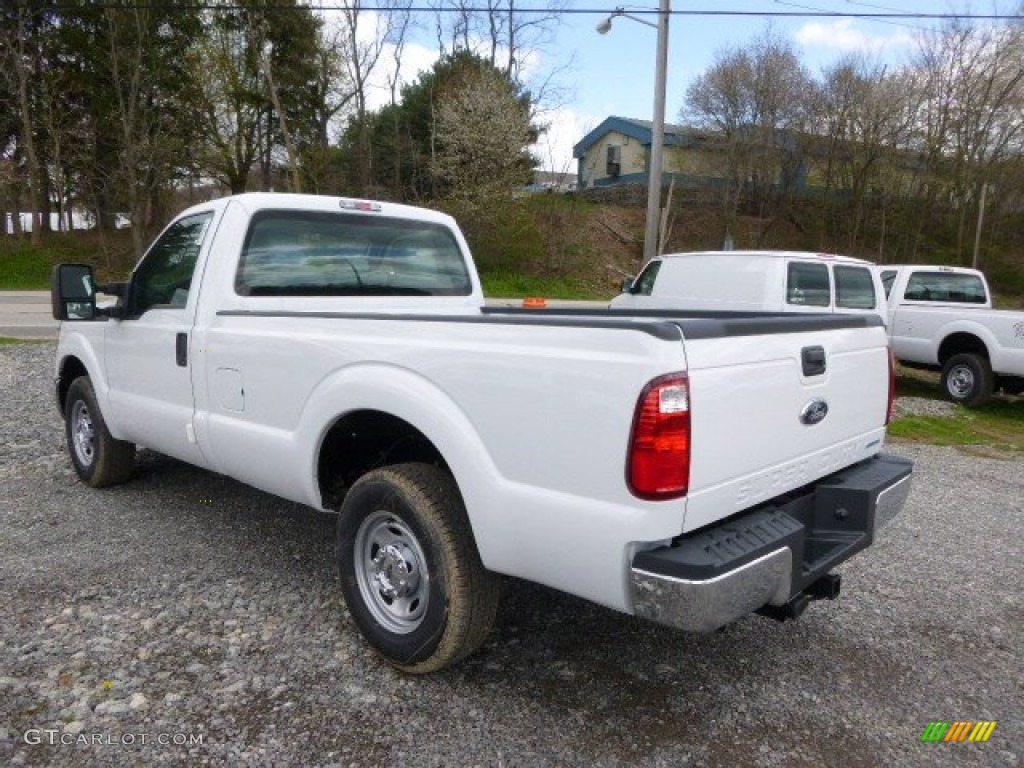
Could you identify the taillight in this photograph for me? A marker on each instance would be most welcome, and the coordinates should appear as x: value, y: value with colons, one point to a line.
x: 658, y: 462
x: 892, y: 387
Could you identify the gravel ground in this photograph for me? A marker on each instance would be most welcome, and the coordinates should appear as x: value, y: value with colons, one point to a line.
x: 187, y: 609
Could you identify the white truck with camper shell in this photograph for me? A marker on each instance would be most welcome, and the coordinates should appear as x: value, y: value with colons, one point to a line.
x: 755, y: 281
x: 690, y: 468
x: 942, y: 318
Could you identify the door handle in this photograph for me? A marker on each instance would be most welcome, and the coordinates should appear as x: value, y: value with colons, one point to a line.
x: 181, y: 349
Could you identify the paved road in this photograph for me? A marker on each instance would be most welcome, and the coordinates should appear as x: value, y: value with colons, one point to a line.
x: 26, y: 315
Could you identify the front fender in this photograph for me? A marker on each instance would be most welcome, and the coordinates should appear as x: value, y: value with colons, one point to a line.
x: 82, y: 344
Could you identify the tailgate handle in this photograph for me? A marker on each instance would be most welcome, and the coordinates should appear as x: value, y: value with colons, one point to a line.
x: 813, y: 359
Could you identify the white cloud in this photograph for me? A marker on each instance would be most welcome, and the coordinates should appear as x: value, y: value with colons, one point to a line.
x: 565, y: 128
x: 845, y: 35
x: 415, y: 60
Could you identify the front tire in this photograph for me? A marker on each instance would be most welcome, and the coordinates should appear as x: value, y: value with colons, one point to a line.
x: 98, y: 458
x: 410, y: 570
x: 967, y: 379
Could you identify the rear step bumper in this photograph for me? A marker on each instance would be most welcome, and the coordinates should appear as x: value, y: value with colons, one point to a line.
x: 776, y: 557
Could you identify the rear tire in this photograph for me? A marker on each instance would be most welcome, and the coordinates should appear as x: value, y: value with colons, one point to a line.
x: 410, y: 570
x: 967, y: 379
x: 99, y: 459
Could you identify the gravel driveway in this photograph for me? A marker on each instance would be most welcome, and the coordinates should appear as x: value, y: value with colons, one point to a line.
x: 184, y: 619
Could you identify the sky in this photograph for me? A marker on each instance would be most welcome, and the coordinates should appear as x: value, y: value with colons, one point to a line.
x: 613, y: 74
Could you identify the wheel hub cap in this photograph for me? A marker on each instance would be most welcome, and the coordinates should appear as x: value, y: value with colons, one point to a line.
x: 391, y: 572
x: 396, y: 574
x: 961, y: 380
x: 83, y: 434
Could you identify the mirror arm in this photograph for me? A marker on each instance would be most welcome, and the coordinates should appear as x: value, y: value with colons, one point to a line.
x: 119, y: 289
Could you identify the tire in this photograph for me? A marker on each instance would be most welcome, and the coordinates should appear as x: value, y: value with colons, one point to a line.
x: 98, y: 459
x: 967, y: 379
x: 410, y: 570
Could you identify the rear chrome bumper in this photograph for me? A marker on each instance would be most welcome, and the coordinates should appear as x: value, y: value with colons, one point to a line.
x: 771, y: 554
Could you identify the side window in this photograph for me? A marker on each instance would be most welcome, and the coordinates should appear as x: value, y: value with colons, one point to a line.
x: 807, y: 284
x: 888, y: 277
x: 854, y: 288
x: 165, y: 275
x: 645, y: 283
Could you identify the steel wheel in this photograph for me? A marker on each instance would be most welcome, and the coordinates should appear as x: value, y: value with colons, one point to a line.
x: 960, y: 381
x: 83, y: 434
x: 410, y: 571
x: 967, y: 379
x: 391, y: 573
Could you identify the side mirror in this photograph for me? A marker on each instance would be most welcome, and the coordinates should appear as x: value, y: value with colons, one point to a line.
x: 72, y: 292
x: 627, y: 285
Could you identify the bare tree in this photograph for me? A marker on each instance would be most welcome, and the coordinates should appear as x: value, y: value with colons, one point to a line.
x: 862, y: 113
x: 228, y: 100
x: 20, y: 56
x: 262, y: 46
x: 365, y: 37
x: 755, y: 97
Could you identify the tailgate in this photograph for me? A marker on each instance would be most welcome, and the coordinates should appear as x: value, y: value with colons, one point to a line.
x: 771, y: 412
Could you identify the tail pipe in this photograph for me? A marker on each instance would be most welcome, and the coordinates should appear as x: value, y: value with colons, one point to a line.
x: 825, y: 588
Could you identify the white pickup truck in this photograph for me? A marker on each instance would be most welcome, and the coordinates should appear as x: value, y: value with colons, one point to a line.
x: 690, y: 469
x: 942, y: 318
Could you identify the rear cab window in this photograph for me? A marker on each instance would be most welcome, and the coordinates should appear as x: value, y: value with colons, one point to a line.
x: 323, y: 253
x: 807, y: 284
x: 947, y: 287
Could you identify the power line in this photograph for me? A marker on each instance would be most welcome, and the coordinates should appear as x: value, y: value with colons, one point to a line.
x: 880, y: 21
x: 806, y: 12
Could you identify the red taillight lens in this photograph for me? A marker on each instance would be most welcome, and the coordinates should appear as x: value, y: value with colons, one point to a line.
x: 658, y: 463
x: 892, y: 387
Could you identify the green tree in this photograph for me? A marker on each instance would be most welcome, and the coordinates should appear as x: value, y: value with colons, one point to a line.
x: 460, y: 128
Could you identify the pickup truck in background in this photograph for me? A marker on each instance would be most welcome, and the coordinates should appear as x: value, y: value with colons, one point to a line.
x: 755, y: 281
x: 690, y: 468
x: 942, y: 318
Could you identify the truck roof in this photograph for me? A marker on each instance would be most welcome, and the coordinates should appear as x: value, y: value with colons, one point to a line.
x: 932, y: 268
x: 776, y: 254
x: 256, y: 201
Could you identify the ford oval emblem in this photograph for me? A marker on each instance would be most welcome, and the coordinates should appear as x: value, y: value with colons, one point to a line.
x: 814, y: 413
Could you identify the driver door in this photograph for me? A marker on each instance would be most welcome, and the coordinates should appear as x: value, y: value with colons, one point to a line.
x: 148, y: 350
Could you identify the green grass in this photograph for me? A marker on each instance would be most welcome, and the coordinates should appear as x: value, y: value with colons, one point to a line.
x: 26, y: 267
x: 998, y: 424
x: 8, y: 340
x: 505, y: 285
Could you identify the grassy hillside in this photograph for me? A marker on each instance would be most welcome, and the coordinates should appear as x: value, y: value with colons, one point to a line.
x: 549, y: 245
x: 24, y: 266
